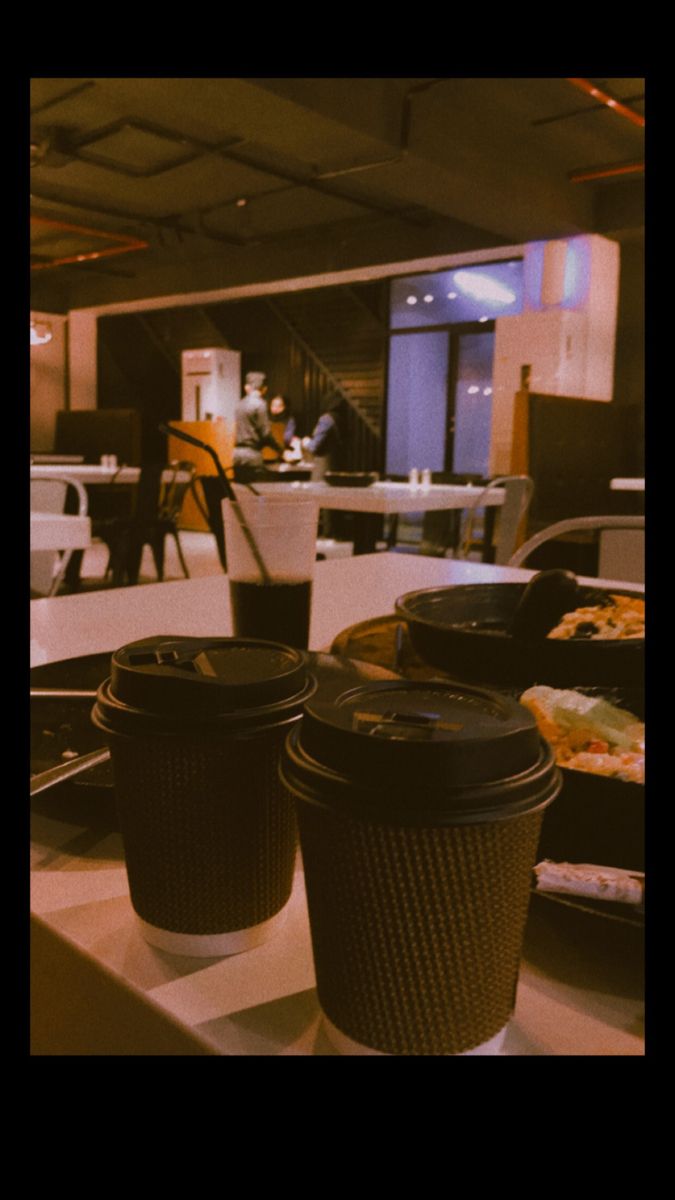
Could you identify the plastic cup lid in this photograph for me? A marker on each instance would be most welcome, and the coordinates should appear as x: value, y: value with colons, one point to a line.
x: 191, y: 679
x: 417, y: 747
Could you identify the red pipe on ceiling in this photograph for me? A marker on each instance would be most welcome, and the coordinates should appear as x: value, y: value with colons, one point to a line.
x: 623, y: 110
x: 587, y: 173
x: 129, y: 243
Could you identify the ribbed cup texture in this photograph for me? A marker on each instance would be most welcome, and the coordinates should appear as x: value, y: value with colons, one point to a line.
x: 209, y: 831
x: 417, y: 933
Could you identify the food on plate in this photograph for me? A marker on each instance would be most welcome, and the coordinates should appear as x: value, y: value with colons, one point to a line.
x: 589, y: 734
x: 585, y: 879
x: 620, y: 617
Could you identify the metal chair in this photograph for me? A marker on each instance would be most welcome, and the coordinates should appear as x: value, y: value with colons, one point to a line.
x: 518, y: 492
x: 573, y: 525
x: 159, y: 499
x: 210, y: 506
x: 49, y: 494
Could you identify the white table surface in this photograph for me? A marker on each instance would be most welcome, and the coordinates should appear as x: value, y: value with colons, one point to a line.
x: 385, y: 497
x: 92, y: 473
x: 102, y: 989
x: 626, y: 485
x: 85, y: 472
x: 59, y: 531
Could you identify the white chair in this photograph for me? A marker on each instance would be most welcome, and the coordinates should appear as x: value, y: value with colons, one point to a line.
x: 48, y: 567
x: 518, y: 492
x: 593, y: 524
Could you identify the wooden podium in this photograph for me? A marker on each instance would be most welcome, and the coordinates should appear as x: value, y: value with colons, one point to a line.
x: 220, y: 435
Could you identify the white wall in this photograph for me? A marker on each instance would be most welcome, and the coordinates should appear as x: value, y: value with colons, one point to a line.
x: 82, y: 358
x: 566, y: 333
x: 47, y: 381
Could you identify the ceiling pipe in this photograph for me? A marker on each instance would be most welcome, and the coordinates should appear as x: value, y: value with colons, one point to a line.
x: 585, y: 174
x: 585, y: 85
x: 74, y: 91
x: 129, y: 243
x: 404, y: 139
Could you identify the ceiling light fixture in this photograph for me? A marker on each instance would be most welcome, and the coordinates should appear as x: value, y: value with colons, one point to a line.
x: 411, y: 300
x: 483, y: 287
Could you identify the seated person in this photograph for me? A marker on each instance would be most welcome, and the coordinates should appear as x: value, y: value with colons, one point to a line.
x: 282, y: 423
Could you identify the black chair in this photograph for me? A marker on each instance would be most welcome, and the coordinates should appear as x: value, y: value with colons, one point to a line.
x: 213, y: 495
x: 158, y: 501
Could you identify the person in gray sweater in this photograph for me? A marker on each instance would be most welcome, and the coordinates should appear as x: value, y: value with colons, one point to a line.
x: 252, y: 430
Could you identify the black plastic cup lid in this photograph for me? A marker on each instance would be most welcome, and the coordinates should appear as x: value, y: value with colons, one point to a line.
x: 190, y: 680
x: 421, y: 751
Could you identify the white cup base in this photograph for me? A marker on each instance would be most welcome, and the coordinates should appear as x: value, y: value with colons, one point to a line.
x: 347, y: 1045
x: 212, y: 945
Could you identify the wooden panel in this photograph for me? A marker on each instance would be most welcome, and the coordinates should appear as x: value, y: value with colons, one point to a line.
x: 575, y: 447
x: 97, y: 431
x: 520, y: 449
x: 220, y: 435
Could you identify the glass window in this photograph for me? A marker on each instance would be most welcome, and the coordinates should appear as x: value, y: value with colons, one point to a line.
x: 478, y: 293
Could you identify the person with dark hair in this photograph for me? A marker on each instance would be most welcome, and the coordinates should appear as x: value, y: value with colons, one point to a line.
x: 252, y: 430
x: 328, y: 442
x: 282, y: 422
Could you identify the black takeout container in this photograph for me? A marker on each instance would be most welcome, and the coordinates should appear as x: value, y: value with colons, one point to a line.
x: 351, y: 478
x: 598, y: 819
x: 459, y: 630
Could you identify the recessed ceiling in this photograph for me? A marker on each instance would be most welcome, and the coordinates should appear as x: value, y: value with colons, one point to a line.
x: 200, y: 183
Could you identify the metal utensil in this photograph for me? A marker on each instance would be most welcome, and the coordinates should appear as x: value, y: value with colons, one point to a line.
x: 48, y: 693
x: 66, y: 770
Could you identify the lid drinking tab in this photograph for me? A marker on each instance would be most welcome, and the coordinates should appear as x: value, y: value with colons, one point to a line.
x: 184, y: 675
x: 415, y: 748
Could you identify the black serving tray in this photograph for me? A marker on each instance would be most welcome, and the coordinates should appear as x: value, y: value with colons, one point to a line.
x: 65, y: 724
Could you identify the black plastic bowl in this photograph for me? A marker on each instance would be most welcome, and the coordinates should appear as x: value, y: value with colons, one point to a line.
x: 460, y: 631
x: 351, y: 478
x: 596, y: 819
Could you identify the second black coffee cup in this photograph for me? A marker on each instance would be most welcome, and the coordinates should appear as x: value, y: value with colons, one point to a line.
x: 420, y: 807
x: 196, y: 727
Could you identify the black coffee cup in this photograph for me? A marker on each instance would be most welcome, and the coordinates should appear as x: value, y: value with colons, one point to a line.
x: 420, y: 807
x: 195, y: 727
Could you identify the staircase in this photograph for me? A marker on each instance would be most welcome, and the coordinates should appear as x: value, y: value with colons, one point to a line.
x: 347, y: 340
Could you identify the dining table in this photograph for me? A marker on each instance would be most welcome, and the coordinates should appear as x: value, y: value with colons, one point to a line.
x: 389, y: 498
x: 98, y: 988
x: 89, y: 473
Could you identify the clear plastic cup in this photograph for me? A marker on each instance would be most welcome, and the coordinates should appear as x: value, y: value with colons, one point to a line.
x: 271, y: 584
